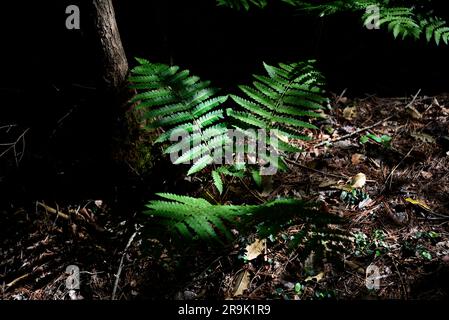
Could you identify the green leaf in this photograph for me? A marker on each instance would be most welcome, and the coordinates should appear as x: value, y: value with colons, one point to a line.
x: 217, y: 181
x: 257, y: 177
x: 298, y: 288
x: 199, y: 165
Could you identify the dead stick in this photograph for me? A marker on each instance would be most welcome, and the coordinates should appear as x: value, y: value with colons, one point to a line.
x: 117, y: 277
x: 51, y: 210
x: 12, y: 283
x: 413, y: 100
x: 394, y: 169
x: 317, y: 171
x: 349, y: 135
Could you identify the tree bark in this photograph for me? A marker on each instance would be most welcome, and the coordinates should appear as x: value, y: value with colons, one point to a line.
x: 114, y: 62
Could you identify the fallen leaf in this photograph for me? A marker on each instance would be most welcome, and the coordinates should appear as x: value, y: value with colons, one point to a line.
x: 424, y: 137
x: 418, y: 202
x: 357, y: 158
x: 414, y: 113
x: 242, y: 283
x: 255, y: 249
x: 358, y: 181
x: 317, y: 278
x: 349, y: 113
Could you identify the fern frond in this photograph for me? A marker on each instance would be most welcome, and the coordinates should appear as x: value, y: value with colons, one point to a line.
x: 281, y: 101
x: 218, y: 182
x: 183, y: 106
x: 242, y: 4
x: 190, y: 219
x: 436, y: 28
x: 413, y: 21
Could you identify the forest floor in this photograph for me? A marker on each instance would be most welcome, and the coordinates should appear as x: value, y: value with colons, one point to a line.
x: 399, y: 224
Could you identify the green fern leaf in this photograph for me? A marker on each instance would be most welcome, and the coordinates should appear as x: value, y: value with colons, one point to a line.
x: 218, y: 182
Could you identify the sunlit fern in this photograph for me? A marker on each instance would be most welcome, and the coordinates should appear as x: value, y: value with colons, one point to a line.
x: 281, y: 103
x: 182, y: 219
x: 184, y: 107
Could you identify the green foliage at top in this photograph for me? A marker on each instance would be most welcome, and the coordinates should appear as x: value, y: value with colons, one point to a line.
x: 192, y: 219
x: 184, y: 107
x: 242, y: 4
x: 405, y: 18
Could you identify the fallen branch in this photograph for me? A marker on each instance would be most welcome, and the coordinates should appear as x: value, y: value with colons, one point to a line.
x: 117, y: 277
x: 349, y: 135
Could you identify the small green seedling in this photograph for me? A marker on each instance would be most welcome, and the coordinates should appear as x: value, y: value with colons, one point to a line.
x: 384, y: 140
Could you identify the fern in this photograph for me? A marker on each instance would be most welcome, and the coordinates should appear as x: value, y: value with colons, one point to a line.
x: 239, y: 4
x: 183, y: 106
x: 280, y: 104
x: 436, y: 28
x: 193, y: 219
x: 405, y: 18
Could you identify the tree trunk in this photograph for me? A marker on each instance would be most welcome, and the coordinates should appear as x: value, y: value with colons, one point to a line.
x: 114, y: 62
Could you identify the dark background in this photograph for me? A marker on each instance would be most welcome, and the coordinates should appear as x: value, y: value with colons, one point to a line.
x: 48, y: 74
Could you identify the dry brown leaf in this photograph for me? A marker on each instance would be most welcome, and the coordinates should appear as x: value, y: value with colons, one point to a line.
x: 358, y: 181
x: 317, y: 278
x: 414, y: 113
x: 242, y: 283
x: 349, y: 113
x: 255, y: 249
x: 357, y: 158
x: 424, y: 137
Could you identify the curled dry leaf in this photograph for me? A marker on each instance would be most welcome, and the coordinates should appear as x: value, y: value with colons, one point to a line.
x: 350, y: 113
x: 242, y: 283
x: 317, y: 278
x: 358, y: 181
x: 414, y: 113
x: 255, y: 249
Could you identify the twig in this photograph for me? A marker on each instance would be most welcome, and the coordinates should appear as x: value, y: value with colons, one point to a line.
x: 12, y: 146
x: 117, y: 277
x: 251, y: 191
x: 317, y: 171
x: 389, y: 177
x: 400, y: 277
x: 349, y: 135
x: 54, y: 211
x: 12, y: 283
x: 341, y: 96
x: 413, y: 100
